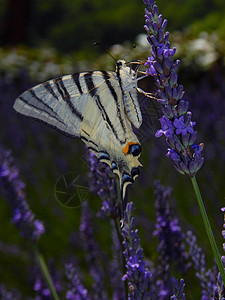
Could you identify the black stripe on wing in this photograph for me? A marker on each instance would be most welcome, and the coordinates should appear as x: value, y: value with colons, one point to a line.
x: 39, y: 99
x: 66, y: 96
x: 33, y: 94
x: 76, y: 79
x: 44, y: 122
x: 49, y: 88
x: 114, y: 95
x: 137, y: 114
x: 93, y: 92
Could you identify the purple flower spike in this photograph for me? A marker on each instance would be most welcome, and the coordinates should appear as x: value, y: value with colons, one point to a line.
x: 219, y: 288
x: 9, y: 295
x: 103, y: 182
x: 137, y: 274
x: 207, y: 278
x: 168, y: 230
x: 178, y: 291
x: 13, y: 189
x: 163, y: 68
x: 77, y: 290
x: 92, y: 252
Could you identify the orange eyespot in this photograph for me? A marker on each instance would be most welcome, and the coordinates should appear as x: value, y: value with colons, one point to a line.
x: 127, y: 148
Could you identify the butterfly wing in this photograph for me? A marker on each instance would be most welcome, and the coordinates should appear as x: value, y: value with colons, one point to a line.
x: 89, y: 106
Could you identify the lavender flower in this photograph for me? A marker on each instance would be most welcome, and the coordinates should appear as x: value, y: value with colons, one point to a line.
x: 207, y: 278
x: 40, y: 287
x: 103, y: 182
x: 178, y: 291
x: 171, y: 247
x: 8, y: 295
x: 13, y: 189
x: 137, y: 275
x: 92, y: 257
x: 176, y: 122
x: 77, y: 290
x: 219, y: 290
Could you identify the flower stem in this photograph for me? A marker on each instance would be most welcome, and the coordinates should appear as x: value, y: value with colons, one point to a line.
x: 208, y: 228
x: 120, y: 237
x: 44, y: 269
x: 123, y: 258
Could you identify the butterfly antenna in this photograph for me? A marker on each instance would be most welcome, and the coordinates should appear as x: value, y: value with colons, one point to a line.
x: 134, y: 46
x: 100, y: 45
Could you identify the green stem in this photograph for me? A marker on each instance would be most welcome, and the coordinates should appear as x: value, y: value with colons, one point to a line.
x: 123, y: 258
x: 208, y: 228
x: 120, y: 237
x: 44, y: 269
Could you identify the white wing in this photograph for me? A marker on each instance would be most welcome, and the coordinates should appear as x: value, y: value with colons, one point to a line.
x: 89, y: 106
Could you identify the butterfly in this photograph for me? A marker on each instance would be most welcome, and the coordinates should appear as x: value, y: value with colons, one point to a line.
x: 99, y: 107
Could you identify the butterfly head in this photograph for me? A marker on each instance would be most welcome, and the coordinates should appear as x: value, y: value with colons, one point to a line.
x: 124, y: 71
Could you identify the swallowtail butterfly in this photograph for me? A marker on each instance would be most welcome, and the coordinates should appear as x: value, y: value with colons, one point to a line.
x: 101, y: 108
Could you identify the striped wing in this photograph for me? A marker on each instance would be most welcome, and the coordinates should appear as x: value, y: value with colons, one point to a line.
x: 89, y: 106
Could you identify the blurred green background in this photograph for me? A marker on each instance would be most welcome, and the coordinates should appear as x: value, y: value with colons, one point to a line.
x: 41, y: 40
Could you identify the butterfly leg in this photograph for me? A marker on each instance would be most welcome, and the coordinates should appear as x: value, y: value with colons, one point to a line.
x: 149, y: 95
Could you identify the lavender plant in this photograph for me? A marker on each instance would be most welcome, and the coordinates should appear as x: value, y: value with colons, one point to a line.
x: 92, y: 254
x: 219, y: 290
x: 171, y: 246
x: 8, y: 295
x: 13, y: 189
x: 176, y: 122
x: 207, y: 278
x: 24, y: 219
x: 77, y: 290
x: 137, y: 274
x: 103, y: 182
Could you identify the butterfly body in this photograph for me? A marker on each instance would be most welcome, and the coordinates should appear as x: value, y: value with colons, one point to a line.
x: 98, y: 107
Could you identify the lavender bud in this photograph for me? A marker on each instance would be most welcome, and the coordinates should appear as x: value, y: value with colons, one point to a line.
x: 185, y: 139
x: 184, y: 168
x: 192, y: 139
x: 178, y: 147
x: 148, y: 38
x: 173, y: 79
x: 175, y: 93
x: 164, y: 24
x: 192, y: 167
x: 166, y: 36
x: 177, y: 167
x: 180, y: 91
x: 162, y: 101
x: 175, y: 66
x: 155, y: 28
x: 167, y: 110
x: 155, y: 11
x: 182, y: 107
x: 148, y: 32
x: 168, y: 91
x: 187, y: 118
x: 160, y: 35
x: 158, y: 67
x: 154, y: 40
x: 173, y: 155
x: 159, y: 21
x: 167, y: 63
x: 170, y: 141
x: 161, y: 95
